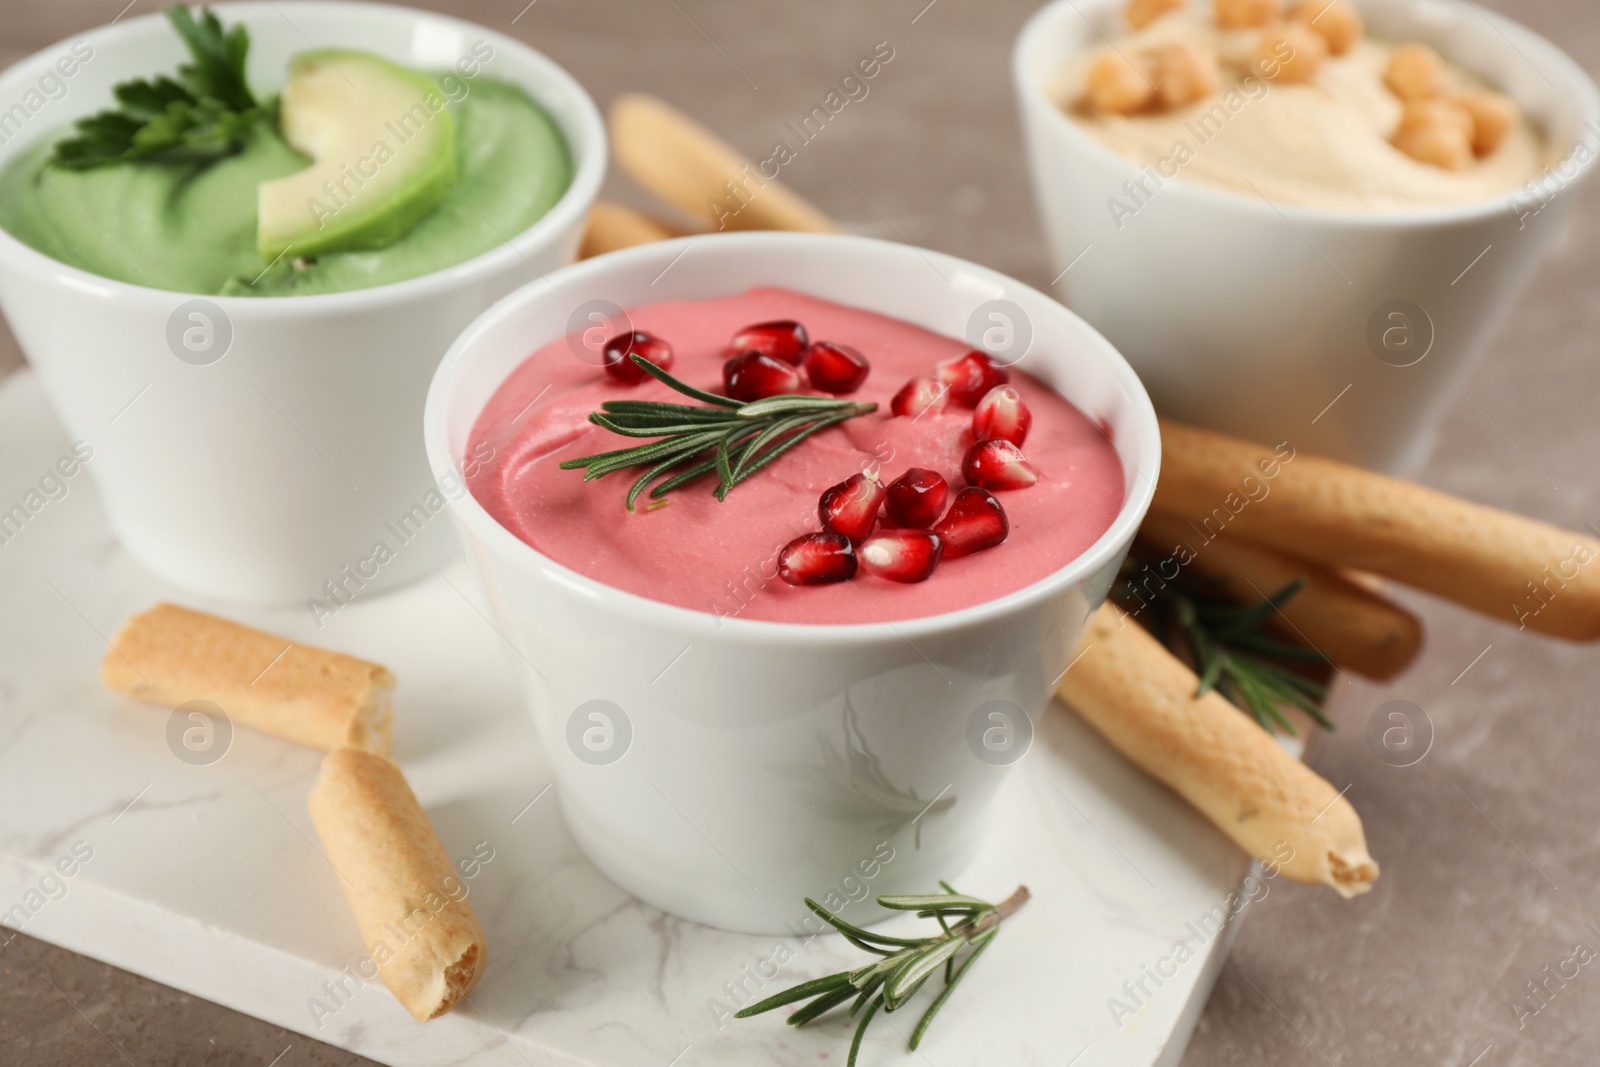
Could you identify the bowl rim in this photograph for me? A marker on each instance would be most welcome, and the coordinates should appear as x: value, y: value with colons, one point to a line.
x: 481, y: 525
x: 1035, y: 100
x: 588, y: 172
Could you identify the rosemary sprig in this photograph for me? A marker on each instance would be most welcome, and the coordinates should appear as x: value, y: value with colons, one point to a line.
x: 726, y: 436
x: 906, y: 964
x: 1232, y: 652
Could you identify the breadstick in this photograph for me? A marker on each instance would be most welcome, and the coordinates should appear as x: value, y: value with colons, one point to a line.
x: 613, y: 226
x: 412, y: 910
x: 171, y: 655
x: 695, y: 171
x: 1534, y: 575
x: 1141, y: 699
x: 1352, y: 625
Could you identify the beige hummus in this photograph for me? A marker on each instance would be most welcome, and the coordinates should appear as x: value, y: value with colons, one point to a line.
x: 1324, y: 144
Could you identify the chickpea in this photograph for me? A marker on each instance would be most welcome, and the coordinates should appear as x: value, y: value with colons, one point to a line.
x: 1337, y: 21
x: 1141, y: 13
x: 1185, y: 73
x: 1118, y: 85
x: 1434, y: 112
x: 1436, y: 132
x: 1291, y: 53
x: 1492, y: 114
x: 1415, y: 72
x: 1244, y: 14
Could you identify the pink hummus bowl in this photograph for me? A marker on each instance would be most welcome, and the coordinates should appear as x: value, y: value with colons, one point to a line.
x: 721, y: 769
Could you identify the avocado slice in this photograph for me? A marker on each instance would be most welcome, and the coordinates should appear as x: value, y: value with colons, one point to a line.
x: 383, y: 148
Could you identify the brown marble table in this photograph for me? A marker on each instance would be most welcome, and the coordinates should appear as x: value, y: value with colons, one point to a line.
x: 1490, y: 846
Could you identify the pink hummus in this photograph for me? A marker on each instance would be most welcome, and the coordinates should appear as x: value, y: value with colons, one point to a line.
x: 721, y: 558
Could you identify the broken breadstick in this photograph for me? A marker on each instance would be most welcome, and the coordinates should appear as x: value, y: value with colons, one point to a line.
x: 692, y: 169
x: 613, y: 226
x: 1534, y: 575
x: 412, y: 909
x: 1352, y: 625
x: 171, y: 655
x: 1139, y: 697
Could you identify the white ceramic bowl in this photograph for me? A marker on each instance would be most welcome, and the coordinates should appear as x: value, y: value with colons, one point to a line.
x: 1254, y: 318
x: 736, y: 766
x: 277, y: 468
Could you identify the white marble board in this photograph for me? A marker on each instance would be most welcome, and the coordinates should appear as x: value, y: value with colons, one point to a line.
x: 207, y: 877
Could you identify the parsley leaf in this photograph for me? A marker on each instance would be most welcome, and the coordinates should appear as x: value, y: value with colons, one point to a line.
x: 218, y: 70
x: 201, y: 116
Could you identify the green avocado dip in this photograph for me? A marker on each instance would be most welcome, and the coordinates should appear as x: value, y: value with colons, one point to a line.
x: 192, y: 228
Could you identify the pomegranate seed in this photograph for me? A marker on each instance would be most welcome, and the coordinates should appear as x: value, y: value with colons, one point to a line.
x: 638, y: 343
x: 783, y: 340
x: 998, y: 465
x: 917, y: 498
x: 975, y: 521
x: 919, y: 395
x: 971, y: 376
x: 851, y: 507
x: 901, y: 555
x: 836, y: 369
x: 756, y: 376
x: 1002, y: 415
x: 817, y: 559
